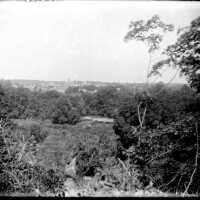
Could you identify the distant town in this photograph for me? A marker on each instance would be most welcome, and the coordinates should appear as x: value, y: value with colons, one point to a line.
x: 61, y: 86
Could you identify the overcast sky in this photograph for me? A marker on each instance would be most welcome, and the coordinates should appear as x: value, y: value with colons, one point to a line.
x: 81, y: 40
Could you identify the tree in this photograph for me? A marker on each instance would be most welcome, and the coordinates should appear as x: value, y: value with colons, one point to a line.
x: 77, y: 102
x: 148, y: 32
x: 184, y: 55
x: 64, y: 112
x: 19, y: 99
x: 3, y: 103
x: 106, y: 101
x: 166, y: 149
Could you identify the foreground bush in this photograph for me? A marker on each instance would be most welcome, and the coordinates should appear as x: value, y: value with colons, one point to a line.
x: 87, y: 162
x: 166, y: 155
x: 17, y: 174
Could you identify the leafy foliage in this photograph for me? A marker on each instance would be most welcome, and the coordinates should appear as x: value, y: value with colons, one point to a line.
x: 164, y: 150
x: 87, y: 162
x: 64, y: 112
x: 142, y: 31
x: 19, y: 174
x: 184, y: 54
x: 165, y: 153
x: 38, y: 133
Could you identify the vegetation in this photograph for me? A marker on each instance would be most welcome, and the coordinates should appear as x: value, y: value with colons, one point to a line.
x: 64, y: 112
x: 153, y: 142
x: 184, y: 54
x: 163, y: 141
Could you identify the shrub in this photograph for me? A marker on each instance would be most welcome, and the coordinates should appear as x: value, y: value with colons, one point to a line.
x: 38, y: 132
x: 17, y: 175
x: 166, y: 155
x: 64, y: 112
x: 87, y: 162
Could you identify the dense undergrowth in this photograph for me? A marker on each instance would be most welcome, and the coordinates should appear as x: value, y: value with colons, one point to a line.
x: 156, y: 159
x: 159, y: 153
x: 165, y: 147
x: 31, y: 162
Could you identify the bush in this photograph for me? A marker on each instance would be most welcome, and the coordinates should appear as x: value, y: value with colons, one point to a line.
x: 64, y: 112
x: 38, y: 133
x: 16, y: 174
x: 87, y: 162
x: 166, y: 155
x: 51, y: 180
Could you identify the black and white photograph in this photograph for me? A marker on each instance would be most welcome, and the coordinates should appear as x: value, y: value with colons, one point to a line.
x: 99, y: 98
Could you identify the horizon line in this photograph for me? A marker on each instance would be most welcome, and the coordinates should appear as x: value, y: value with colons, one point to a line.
x: 92, y: 81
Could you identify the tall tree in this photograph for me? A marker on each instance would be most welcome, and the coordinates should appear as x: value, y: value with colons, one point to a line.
x: 151, y: 34
x: 184, y: 55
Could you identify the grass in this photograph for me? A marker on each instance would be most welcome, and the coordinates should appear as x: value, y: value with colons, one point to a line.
x: 58, y: 148
x: 62, y: 140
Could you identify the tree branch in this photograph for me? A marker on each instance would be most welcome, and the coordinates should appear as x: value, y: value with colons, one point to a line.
x: 122, y: 163
x: 158, y: 156
x: 148, y: 69
x: 176, y: 175
x: 143, y: 116
x: 139, y: 117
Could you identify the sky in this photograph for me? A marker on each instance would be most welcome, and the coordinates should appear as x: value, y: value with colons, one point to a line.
x: 82, y: 40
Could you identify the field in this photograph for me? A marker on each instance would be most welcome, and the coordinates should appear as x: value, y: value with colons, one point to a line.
x: 58, y: 148
x: 62, y: 139
x: 57, y: 151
